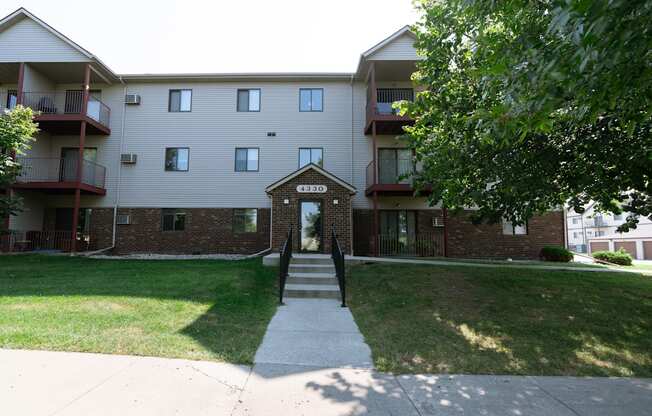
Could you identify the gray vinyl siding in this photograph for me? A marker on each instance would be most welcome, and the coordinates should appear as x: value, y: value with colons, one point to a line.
x: 28, y: 41
x: 34, y: 81
x: 401, y: 49
x: 214, y: 129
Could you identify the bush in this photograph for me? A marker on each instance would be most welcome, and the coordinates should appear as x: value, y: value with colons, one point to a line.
x: 617, y: 257
x: 556, y: 253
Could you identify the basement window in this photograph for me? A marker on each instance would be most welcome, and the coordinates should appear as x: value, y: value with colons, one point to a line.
x: 173, y: 219
x: 509, y: 229
x: 245, y: 220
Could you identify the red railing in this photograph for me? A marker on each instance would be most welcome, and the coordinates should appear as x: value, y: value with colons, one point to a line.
x: 20, y: 241
x: 371, y: 170
x: 54, y: 169
x: 67, y: 102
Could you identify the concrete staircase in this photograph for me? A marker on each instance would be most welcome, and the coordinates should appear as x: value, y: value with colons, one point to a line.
x: 312, y: 276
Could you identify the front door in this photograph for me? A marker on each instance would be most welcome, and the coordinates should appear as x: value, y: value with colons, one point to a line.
x: 310, y: 225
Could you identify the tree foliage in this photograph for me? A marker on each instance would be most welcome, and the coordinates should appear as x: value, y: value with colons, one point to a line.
x: 17, y: 130
x: 530, y: 104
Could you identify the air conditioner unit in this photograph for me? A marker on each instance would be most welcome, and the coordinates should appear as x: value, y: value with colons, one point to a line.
x: 128, y: 158
x: 132, y: 99
x: 123, y: 219
x: 437, y: 221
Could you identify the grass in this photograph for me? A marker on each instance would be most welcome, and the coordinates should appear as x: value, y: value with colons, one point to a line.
x: 431, y: 319
x: 209, y: 310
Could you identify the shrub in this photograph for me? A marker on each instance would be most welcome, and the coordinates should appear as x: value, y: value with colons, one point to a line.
x: 617, y: 257
x: 556, y: 253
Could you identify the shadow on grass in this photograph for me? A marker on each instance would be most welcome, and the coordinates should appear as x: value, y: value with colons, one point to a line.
x: 231, y: 302
x: 420, y: 319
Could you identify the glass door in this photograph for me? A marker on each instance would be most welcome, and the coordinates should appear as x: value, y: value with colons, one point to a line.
x: 69, y: 155
x: 310, y: 225
x: 393, y: 164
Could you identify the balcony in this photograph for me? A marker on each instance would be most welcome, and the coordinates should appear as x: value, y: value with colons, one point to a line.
x: 381, y: 112
x: 388, y: 180
x: 61, y: 112
x: 59, y: 175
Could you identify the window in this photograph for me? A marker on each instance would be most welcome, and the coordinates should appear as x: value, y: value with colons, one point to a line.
x: 311, y: 155
x: 618, y: 217
x: 12, y: 99
x: 509, y: 229
x: 246, y: 159
x: 599, y: 233
x: 576, y: 221
x: 576, y: 235
x: 180, y: 101
x: 173, y: 219
x: 589, y: 233
x: 248, y: 100
x: 245, y: 220
x: 176, y: 158
x: 311, y: 99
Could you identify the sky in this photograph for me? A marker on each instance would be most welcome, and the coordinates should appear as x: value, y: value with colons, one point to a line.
x: 167, y: 36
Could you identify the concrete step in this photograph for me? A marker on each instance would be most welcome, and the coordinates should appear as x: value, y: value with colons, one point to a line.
x: 312, y: 268
x: 311, y: 259
x: 312, y: 291
x: 312, y: 278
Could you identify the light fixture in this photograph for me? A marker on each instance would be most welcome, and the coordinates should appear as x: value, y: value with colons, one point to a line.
x: 336, y: 201
x: 286, y: 201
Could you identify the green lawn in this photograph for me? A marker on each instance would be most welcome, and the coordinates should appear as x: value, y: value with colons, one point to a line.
x: 210, y: 310
x: 431, y: 319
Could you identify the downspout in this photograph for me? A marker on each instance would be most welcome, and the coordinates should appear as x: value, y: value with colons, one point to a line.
x: 352, y: 159
x: 117, y: 191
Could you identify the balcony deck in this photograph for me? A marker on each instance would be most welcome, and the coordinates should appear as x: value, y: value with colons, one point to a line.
x: 60, y: 113
x: 382, y: 114
x: 58, y: 175
x: 380, y: 184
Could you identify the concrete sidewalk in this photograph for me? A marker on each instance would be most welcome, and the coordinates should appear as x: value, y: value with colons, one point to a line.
x: 314, y: 333
x: 70, y: 384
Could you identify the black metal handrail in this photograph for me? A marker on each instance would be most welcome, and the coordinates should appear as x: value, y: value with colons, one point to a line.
x: 284, y: 265
x: 338, y: 259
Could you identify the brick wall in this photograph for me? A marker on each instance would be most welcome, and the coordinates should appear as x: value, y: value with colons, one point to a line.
x: 466, y: 240
x: 487, y: 240
x: 207, y: 230
x: 286, y: 216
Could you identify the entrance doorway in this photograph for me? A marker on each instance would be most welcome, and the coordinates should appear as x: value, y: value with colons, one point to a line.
x: 310, y: 226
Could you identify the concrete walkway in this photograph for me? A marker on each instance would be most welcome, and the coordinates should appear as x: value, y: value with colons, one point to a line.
x: 39, y: 383
x: 316, y: 333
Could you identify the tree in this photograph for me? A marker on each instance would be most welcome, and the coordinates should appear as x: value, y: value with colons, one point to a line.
x: 17, y: 130
x: 530, y: 104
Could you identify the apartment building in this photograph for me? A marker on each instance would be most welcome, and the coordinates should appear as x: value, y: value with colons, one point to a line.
x: 228, y: 163
x: 593, y: 225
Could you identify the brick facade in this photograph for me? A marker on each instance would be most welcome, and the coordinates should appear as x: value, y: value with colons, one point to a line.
x: 466, y: 240
x: 287, y: 215
x: 206, y: 231
x: 487, y: 240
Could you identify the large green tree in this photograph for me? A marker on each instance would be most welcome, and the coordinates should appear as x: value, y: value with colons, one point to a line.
x: 530, y: 104
x: 17, y: 130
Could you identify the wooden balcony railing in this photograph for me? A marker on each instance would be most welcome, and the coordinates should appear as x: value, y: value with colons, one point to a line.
x: 67, y: 102
x: 53, y: 170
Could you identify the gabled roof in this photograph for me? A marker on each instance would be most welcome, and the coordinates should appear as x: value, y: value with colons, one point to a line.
x: 312, y: 166
x: 23, y: 13
x: 405, y: 30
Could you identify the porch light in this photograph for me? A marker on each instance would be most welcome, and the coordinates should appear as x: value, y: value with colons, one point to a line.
x: 286, y: 202
x: 336, y: 201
